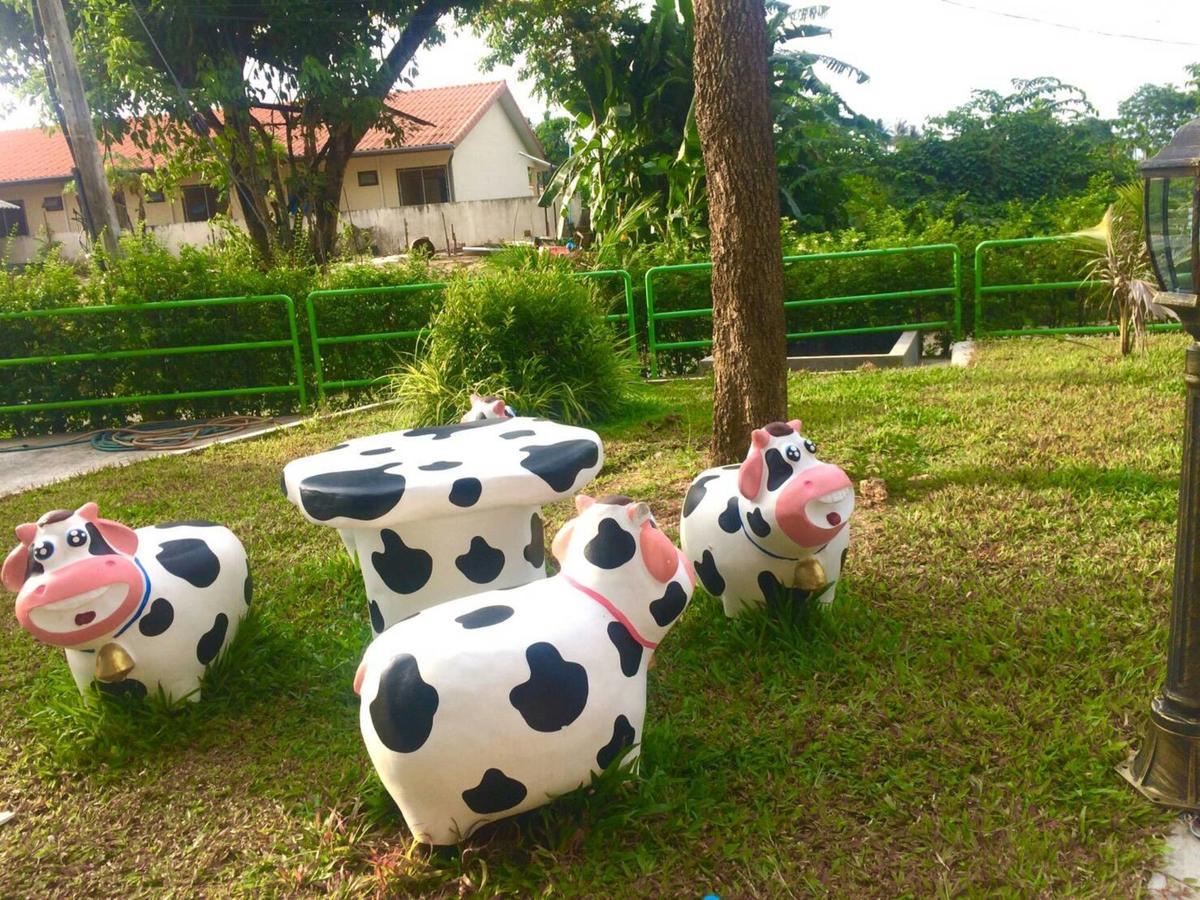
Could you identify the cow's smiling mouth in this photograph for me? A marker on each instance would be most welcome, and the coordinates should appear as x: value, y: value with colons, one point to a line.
x: 79, y: 611
x: 831, y: 510
x: 85, y: 617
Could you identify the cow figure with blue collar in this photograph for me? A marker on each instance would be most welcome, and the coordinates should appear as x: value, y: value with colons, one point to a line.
x: 774, y: 529
x: 135, y: 611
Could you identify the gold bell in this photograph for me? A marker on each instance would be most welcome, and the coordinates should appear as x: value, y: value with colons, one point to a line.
x: 810, y: 574
x: 113, y: 663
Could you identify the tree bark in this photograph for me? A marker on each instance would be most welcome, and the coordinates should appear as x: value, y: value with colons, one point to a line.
x: 733, y: 118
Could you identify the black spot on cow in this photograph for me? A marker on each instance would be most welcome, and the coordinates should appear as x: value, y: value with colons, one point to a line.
x: 127, y: 687
x: 706, y: 568
x: 495, y: 793
x: 402, y: 711
x: 485, y: 616
x: 441, y: 432
x: 482, y: 562
x: 666, y: 609
x: 758, y: 524
x: 465, y: 491
x: 730, y: 519
x: 403, y: 569
x: 778, y: 470
x: 440, y: 466
x: 158, y: 618
x: 730, y: 468
x: 362, y: 494
x: 612, y: 546
x: 97, y: 545
x: 555, y: 693
x: 377, y: 451
x: 535, y: 550
x: 248, y: 588
x: 560, y: 464
x: 622, y: 737
x: 210, y: 642
x: 33, y: 567
x: 695, y: 494
x: 341, y: 446
x: 376, y: 617
x: 190, y: 559
x: 628, y: 648
x: 190, y: 523
x: 774, y: 593
x: 519, y: 433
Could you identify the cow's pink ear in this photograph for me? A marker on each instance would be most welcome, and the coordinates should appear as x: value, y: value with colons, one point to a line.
x: 475, y: 398
x: 25, y: 532
x: 658, y: 553
x: 88, y: 512
x: 582, y: 502
x: 796, y: 425
x: 120, y: 537
x: 750, y: 474
x: 498, y: 408
x: 16, y: 564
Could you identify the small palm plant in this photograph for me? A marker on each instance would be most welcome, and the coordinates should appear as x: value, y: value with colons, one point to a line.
x: 1122, y: 268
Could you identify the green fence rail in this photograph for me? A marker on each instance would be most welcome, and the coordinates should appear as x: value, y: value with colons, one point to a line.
x: 952, y: 291
x: 292, y: 342
x: 983, y: 290
x: 318, y: 342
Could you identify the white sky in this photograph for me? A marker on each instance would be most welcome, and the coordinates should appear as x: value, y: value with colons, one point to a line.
x: 925, y: 56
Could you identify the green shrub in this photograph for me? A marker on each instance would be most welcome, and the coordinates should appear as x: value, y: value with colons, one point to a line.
x: 539, y: 339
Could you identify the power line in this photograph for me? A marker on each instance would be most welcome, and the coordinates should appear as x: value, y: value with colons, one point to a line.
x: 1066, y: 27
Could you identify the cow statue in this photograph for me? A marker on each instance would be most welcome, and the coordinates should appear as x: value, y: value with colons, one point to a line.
x: 492, y: 704
x: 487, y: 407
x: 774, y: 529
x: 135, y: 611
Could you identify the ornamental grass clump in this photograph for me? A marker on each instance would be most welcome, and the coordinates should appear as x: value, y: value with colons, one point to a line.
x: 538, y: 339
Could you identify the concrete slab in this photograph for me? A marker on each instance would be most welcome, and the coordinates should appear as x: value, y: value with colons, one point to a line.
x: 905, y: 352
x: 1180, y: 873
x: 22, y: 469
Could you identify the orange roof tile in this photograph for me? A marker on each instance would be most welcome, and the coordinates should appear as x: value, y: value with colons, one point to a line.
x: 35, y: 154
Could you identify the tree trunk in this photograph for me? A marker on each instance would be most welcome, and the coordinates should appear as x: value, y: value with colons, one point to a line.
x: 733, y: 118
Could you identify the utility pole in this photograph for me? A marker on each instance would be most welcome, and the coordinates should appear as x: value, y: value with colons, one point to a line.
x: 78, y: 120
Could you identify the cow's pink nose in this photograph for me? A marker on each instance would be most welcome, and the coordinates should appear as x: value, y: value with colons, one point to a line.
x: 39, y: 590
x: 110, y: 562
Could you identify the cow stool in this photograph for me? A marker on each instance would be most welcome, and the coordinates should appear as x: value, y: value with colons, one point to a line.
x: 135, y: 611
x: 493, y: 704
x: 435, y: 513
x: 774, y: 529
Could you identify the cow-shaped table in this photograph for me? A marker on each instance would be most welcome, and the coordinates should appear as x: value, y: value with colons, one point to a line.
x: 493, y: 704
x: 135, y: 611
x: 441, y: 512
x: 775, y: 528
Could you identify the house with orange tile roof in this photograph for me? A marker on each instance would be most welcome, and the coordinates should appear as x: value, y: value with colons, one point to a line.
x: 465, y: 172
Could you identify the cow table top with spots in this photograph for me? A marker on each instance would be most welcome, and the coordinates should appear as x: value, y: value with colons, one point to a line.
x: 445, y: 511
x: 773, y: 529
x: 135, y: 611
x: 489, y: 705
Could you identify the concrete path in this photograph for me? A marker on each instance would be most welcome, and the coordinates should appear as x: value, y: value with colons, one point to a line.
x: 20, y: 471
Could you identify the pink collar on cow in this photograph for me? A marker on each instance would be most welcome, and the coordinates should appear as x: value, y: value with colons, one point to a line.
x: 612, y: 609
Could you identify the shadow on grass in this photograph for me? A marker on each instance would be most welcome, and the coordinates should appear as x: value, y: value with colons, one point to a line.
x: 1082, y: 477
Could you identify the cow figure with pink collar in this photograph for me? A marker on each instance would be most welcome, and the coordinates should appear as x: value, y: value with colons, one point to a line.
x: 488, y: 705
x: 135, y: 611
x: 774, y: 529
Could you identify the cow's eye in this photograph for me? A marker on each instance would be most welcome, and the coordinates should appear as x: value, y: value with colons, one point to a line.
x: 43, y: 550
x: 793, y: 452
x: 76, y: 537
x: 810, y: 446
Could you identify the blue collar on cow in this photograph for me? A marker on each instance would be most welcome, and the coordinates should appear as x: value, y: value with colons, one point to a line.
x: 768, y: 552
x: 145, y: 596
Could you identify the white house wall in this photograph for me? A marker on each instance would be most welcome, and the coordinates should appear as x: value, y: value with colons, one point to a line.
x: 487, y: 164
x: 387, y: 193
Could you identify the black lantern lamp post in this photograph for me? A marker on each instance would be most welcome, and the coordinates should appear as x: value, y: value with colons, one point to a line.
x: 1166, y: 768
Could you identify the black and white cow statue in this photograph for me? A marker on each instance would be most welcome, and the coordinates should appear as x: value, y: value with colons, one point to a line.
x: 775, y: 528
x: 134, y: 610
x: 493, y: 704
x: 487, y: 407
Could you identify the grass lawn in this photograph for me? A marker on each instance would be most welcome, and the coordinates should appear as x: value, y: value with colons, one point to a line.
x: 951, y: 726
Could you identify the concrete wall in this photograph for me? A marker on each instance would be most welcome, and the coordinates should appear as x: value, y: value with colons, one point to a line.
x: 487, y: 165
x: 478, y: 222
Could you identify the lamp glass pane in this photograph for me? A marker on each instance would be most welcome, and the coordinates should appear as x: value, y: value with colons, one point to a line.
x: 1156, y: 197
x: 1179, y: 225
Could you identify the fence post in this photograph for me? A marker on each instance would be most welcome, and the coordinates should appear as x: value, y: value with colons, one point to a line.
x: 651, y: 340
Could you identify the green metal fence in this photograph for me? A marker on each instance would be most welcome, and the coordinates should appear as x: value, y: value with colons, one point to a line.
x: 984, y: 290
x: 953, y: 291
x: 292, y: 342
x: 318, y: 342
